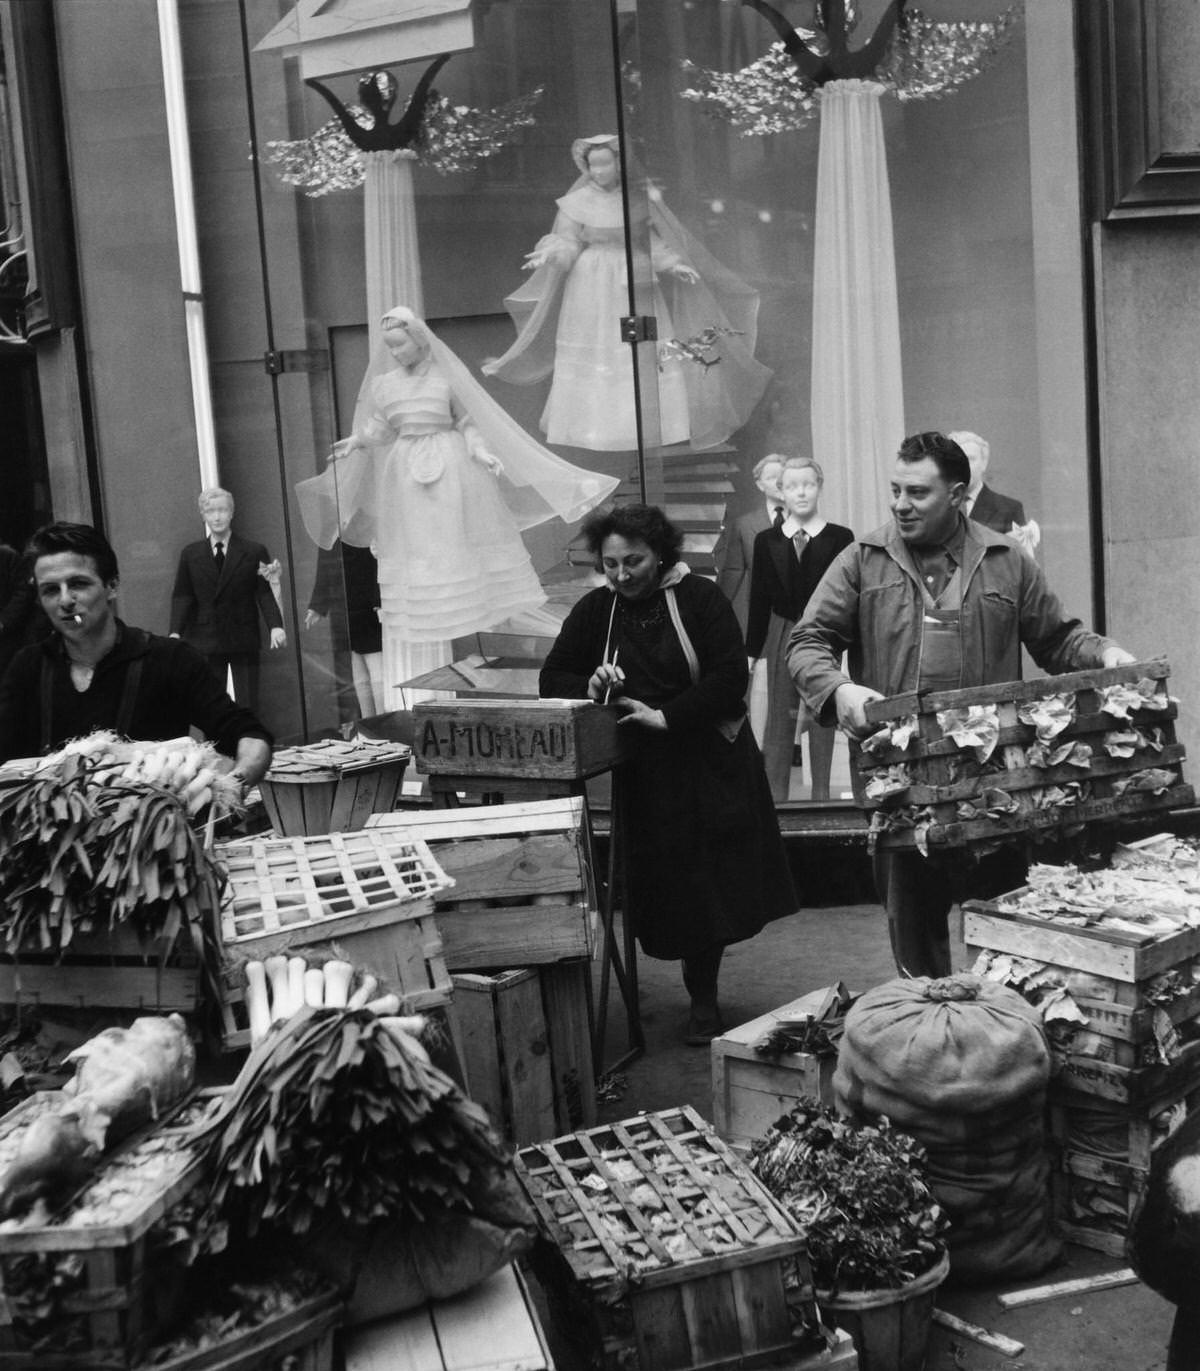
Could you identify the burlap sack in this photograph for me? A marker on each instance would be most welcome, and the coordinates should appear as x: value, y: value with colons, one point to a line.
x: 959, y: 1045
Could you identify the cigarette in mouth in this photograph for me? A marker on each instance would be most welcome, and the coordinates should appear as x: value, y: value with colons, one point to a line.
x: 78, y: 618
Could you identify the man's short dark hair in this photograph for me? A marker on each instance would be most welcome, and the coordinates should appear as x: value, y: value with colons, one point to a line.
x: 950, y: 459
x: 646, y: 523
x: 81, y: 539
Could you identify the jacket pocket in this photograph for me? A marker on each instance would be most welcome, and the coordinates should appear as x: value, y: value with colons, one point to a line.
x: 999, y: 635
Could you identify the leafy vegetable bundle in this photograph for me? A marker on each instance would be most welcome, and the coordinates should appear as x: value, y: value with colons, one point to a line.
x: 339, y: 1115
x: 860, y: 1194
x: 82, y: 857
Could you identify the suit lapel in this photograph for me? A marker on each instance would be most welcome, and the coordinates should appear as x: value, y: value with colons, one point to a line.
x: 783, y: 553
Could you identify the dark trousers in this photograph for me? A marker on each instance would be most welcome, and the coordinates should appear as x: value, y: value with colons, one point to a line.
x: 916, y: 893
x: 244, y: 668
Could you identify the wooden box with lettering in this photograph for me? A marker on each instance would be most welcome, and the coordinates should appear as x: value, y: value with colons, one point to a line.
x: 531, y: 739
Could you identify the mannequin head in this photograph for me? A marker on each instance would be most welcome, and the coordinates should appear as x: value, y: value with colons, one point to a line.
x: 598, y: 158
x: 404, y: 338
x: 767, y: 471
x: 800, y: 485
x: 216, y: 509
x: 978, y: 452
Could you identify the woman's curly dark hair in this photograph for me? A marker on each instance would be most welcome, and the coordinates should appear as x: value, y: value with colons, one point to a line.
x: 646, y: 523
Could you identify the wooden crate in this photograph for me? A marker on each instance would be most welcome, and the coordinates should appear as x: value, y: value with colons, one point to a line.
x: 332, y: 786
x: 112, y: 1298
x: 366, y: 897
x: 549, y: 739
x: 750, y: 1091
x: 1103, y: 1149
x: 299, y: 1340
x: 665, y: 1246
x: 491, y: 1327
x: 523, y: 891
x: 107, y: 971
x: 526, y: 1048
x: 945, y: 780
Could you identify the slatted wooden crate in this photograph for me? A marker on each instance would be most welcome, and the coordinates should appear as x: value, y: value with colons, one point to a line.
x: 110, y: 1295
x: 332, y: 786
x: 522, y: 893
x: 1121, y: 963
x: 300, y: 1339
x: 666, y: 1247
x: 1102, y: 1160
x: 493, y: 1326
x: 944, y: 785
x: 549, y: 739
x: 366, y: 897
x: 107, y: 971
x: 526, y: 1048
x: 750, y: 1091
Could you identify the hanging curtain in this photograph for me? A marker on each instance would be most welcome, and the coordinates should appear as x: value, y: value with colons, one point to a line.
x: 393, y: 266
x: 857, y: 391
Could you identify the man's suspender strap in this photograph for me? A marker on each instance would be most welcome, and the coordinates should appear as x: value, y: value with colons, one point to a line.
x: 129, y: 694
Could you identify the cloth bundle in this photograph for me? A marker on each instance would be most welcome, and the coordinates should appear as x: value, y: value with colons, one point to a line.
x: 962, y: 1064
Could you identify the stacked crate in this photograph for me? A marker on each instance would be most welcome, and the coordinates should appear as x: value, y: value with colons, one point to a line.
x: 83, y: 1286
x: 667, y: 1252
x: 518, y: 932
x: 937, y: 792
x: 1105, y: 1111
x: 366, y: 897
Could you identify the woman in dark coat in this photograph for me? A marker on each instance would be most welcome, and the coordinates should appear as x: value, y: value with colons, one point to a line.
x: 789, y: 561
x: 704, y: 862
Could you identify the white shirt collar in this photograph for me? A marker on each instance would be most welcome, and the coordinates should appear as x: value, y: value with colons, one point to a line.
x: 214, y: 539
x: 791, y: 526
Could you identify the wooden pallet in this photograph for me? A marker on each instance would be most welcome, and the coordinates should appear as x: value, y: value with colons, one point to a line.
x: 108, y: 1311
x: 672, y: 1252
x: 332, y: 786
x: 750, y: 1091
x: 947, y: 783
x: 526, y: 1048
x: 523, y: 893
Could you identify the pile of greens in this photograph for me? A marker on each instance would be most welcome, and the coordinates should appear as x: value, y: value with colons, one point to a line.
x: 860, y: 1195
x: 81, y: 857
x: 338, y: 1114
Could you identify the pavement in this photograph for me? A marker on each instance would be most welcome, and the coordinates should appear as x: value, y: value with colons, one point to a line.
x: 1121, y: 1329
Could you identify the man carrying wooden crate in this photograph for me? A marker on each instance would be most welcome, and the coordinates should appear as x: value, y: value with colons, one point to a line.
x: 931, y: 601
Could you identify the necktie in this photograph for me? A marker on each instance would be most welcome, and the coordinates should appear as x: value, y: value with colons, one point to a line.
x: 799, y: 539
x: 778, y: 516
x: 219, y: 557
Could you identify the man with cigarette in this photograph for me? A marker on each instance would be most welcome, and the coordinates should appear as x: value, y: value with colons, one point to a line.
x: 94, y: 671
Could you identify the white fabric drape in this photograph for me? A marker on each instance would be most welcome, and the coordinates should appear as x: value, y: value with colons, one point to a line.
x: 393, y: 266
x: 857, y: 390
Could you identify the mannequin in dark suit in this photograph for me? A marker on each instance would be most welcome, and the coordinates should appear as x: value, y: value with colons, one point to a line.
x: 734, y: 550
x: 217, y: 601
x: 983, y: 504
x: 781, y: 581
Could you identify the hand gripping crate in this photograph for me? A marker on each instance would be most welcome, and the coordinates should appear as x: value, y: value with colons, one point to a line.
x: 941, y: 791
x: 749, y: 1090
x: 666, y: 1249
x: 366, y: 897
x: 84, y: 1288
x: 332, y: 786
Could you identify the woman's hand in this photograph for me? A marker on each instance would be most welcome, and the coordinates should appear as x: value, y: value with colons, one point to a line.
x: 489, y: 460
x: 606, y: 680
x: 682, y: 272
x: 638, y: 713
